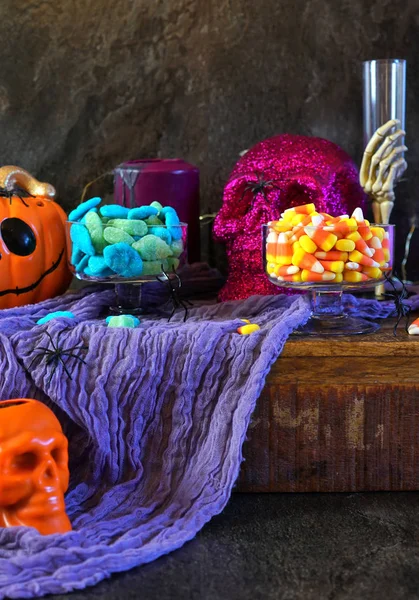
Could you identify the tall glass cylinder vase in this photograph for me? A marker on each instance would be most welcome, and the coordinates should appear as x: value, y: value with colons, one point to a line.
x: 384, y: 94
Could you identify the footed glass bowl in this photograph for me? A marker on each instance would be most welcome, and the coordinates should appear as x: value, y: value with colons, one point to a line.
x: 127, y: 260
x: 326, y: 270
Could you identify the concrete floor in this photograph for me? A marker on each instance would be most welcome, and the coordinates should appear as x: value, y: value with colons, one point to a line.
x: 288, y: 547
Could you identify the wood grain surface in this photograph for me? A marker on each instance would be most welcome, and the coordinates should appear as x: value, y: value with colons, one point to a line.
x: 338, y: 415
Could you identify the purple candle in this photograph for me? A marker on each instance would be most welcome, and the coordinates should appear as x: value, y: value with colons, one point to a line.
x: 170, y: 181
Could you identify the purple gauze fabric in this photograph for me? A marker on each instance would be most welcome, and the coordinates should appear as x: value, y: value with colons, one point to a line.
x: 155, y: 419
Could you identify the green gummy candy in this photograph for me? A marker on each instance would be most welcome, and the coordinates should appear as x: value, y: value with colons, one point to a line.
x: 173, y: 263
x: 153, y: 267
x: 129, y: 226
x: 157, y: 205
x: 154, y: 220
x: 151, y: 247
x: 177, y: 248
x: 95, y: 227
x: 123, y: 321
x: 113, y: 235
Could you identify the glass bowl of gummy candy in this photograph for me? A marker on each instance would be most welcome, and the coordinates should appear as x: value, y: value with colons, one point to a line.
x: 112, y: 244
x: 313, y: 251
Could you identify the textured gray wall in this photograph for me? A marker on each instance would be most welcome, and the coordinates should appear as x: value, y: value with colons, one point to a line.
x: 86, y: 84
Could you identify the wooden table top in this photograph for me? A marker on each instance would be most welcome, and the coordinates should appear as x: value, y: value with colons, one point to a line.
x: 381, y: 343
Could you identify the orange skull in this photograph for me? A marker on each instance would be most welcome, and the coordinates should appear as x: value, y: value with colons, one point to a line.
x: 33, y: 467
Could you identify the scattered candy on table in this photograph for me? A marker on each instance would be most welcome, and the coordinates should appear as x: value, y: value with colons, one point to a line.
x: 123, y: 321
x: 248, y: 328
x: 413, y: 328
x: 56, y: 315
x: 112, y: 240
x: 307, y: 246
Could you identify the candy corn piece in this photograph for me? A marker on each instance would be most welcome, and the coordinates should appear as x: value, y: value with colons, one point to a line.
x: 307, y: 261
x: 375, y: 244
x: 386, y: 246
x: 271, y: 244
x: 283, y: 270
x: 354, y: 266
x: 305, y: 209
x: 413, y: 328
x: 246, y: 329
x: 307, y: 275
x: 358, y: 215
x: 332, y: 255
x: 295, y: 277
x: 297, y: 218
x: 335, y: 266
x: 344, y: 226
x: 345, y: 245
x: 378, y: 232
x: 365, y: 232
x: 354, y: 276
x: 307, y: 244
x: 297, y: 232
x: 325, y: 240
x: 283, y: 250
x: 360, y: 258
x: 338, y: 278
x: 279, y: 226
x: 373, y: 272
x: 361, y: 244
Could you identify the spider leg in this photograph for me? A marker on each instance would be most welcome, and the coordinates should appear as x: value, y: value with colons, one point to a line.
x: 171, y: 314
x: 33, y: 360
x: 396, y: 325
x: 43, y: 348
x: 69, y: 354
x: 64, y: 366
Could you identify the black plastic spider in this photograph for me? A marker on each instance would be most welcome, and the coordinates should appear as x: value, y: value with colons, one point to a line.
x: 177, y: 302
x: 261, y: 186
x: 56, y: 354
x: 15, y: 191
x: 398, y: 296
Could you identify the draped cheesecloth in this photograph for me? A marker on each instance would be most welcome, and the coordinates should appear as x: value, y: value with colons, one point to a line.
x: 156, y: 420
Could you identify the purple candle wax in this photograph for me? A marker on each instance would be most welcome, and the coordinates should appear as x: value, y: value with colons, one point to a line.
x: 170, y: 181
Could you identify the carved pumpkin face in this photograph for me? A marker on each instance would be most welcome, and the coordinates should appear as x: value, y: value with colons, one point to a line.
x: 33, y: 467
x: 33, y: 261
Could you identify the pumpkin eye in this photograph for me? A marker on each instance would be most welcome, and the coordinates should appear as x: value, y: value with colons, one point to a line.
x: 18, y: 236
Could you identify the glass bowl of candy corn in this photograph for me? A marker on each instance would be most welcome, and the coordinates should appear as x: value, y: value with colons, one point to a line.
x: 125, y: 247
x: 312, y: 251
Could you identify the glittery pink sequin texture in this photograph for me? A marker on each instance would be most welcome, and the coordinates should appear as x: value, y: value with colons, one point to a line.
x: 296, y: 170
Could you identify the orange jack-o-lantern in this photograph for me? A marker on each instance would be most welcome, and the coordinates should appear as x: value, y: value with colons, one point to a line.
x: 33, y: 261
x: 33, y: 467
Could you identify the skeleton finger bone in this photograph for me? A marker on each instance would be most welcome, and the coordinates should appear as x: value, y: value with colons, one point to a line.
x: 373, y: 146
x: 385, y: 165
x: 383, y: 152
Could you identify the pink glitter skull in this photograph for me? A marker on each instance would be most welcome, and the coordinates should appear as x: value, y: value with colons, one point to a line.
x: 278, y: 173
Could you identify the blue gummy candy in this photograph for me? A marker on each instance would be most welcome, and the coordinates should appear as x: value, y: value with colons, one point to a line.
x: 76, y: 255
x: 173, y: 225
x: 83, y: 208
x: 81, y: 266
x: 55, y: 315
x: 105, y: 273
x: 123, y: 259
x: 167, y: 209
x: 98, y: 267
x: 114, y: 211
x: 142, y: 212
x: 162, y: 233
x: 81, y: 238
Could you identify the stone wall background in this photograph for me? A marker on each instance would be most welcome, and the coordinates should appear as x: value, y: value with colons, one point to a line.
x: 87, y: 84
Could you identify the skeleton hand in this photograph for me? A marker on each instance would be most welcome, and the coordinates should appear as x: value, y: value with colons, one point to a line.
x: 382, y: 166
